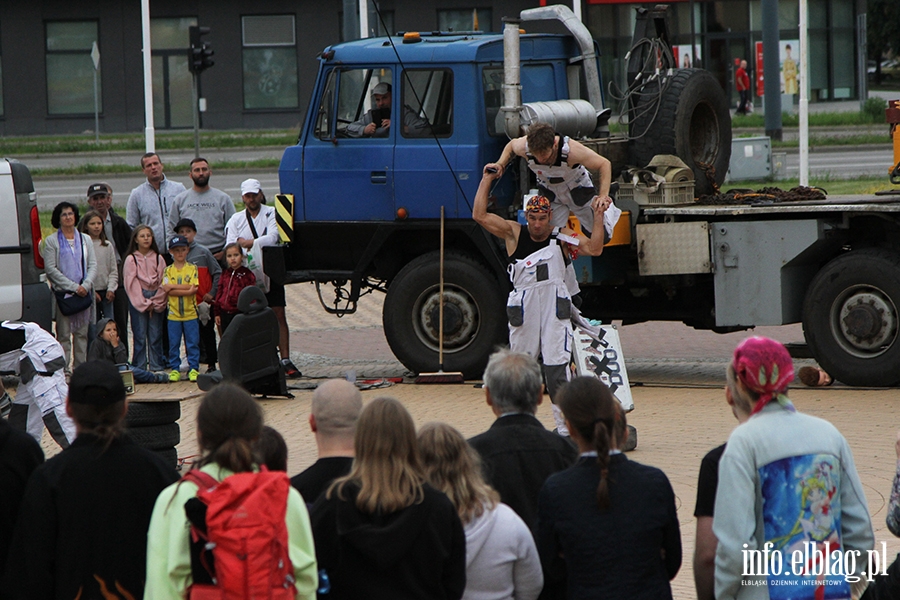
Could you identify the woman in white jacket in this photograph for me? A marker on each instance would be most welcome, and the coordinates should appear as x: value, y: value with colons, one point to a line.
x: 71, y: 266
x: 502, y: 562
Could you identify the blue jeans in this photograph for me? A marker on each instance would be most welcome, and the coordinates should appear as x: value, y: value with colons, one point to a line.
x: 142, y: 376
x: 147, y: 329
x: 191, y: 331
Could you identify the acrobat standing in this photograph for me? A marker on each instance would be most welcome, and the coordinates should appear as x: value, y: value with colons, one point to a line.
x: 539, y: 307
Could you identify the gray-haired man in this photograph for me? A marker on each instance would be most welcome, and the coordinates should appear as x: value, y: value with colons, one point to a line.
x: 517, y: 452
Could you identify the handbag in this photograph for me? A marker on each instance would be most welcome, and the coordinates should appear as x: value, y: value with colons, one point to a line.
x: 70, y: 303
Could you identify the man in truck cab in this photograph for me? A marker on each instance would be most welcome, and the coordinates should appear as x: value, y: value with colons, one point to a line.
x: 562, y: 167
x: 539, y: 307
x: 377, y: 121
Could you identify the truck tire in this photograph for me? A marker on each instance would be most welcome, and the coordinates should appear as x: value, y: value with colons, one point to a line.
x: 474, y: 315
x: 851, y: 319
x: 142, y: 414
x: 170, y: 455
x: 690, y: 119
x: 156, y: 437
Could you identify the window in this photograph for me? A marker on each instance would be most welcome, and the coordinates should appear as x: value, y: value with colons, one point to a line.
x: 469, y: 19
x: 172, y: 81
x: 356, y: 103
x: 70, y: 69
x: 427, y: 103
x: 270, y: 62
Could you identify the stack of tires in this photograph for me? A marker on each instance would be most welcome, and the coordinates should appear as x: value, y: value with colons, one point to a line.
x: 154, y: 425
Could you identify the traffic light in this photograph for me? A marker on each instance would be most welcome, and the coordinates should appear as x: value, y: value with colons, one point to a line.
x: 200, y: 57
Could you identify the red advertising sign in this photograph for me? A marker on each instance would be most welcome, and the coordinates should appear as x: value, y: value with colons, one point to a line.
x: 759, y: 69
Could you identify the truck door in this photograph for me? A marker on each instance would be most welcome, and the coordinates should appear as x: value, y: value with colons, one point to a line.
x: 348, y: 172
x: 424, y: 181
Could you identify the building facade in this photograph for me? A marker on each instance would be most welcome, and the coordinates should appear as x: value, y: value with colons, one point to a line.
x: 265, y: 53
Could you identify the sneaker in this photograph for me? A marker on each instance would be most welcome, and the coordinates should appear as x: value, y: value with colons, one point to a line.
x: 161, y: 378
x: 192, y: 374
x: 290, y: 371
x: 211, y: 368
x: 175, y: 376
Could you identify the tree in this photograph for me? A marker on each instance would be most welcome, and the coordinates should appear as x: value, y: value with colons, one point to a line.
x: 882, y: 31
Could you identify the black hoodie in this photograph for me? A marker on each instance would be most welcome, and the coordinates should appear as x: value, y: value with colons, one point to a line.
x: 417, y: 553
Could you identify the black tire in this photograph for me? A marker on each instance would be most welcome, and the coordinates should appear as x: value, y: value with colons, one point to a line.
x: 170, y: 455
x: 142, y: 414
x: 851, y: 319
x: 156, y: 437
x: 692, y: 121
x: 474, y: 315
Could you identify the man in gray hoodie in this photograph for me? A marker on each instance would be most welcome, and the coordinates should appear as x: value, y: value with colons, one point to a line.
x: 150, y: 202
x: 206, y: 206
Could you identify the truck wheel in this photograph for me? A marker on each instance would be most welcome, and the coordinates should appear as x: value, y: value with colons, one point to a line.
x: 690, y: 119
x: 474, y: 316
x: 851, y: 318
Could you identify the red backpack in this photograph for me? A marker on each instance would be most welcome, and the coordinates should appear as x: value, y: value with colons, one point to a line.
x: 239, y: 540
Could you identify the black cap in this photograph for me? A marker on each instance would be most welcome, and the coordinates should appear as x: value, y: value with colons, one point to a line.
x: 96, y: 382
x: 185, y: 223
x: 97, y: 189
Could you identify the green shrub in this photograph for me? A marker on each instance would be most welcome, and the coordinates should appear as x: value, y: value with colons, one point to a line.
x: 874, y: 109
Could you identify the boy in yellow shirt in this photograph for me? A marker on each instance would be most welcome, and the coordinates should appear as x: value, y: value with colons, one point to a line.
x: 180, y: 281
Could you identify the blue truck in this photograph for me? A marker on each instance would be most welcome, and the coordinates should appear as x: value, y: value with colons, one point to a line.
x: 366, y: 208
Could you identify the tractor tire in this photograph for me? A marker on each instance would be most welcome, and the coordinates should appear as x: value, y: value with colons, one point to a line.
x: 690, y: 119
x: 851, y: 317
x: 156, y: 437
x: 474, y: 315
x: 143, y: 414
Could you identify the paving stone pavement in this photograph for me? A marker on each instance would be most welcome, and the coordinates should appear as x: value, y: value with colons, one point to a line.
x: 680, y: 413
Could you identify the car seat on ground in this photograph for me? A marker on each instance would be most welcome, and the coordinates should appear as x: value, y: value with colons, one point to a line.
x: 248, y: 350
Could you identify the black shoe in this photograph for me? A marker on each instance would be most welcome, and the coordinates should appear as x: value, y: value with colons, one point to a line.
x: 290, y: 371
x: 211, y: 368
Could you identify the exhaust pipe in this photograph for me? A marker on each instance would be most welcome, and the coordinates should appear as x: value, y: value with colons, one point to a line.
x: 512, y: 85
x: 581, y: 34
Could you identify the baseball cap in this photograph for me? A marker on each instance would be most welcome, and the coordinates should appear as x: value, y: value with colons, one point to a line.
x: 96, y: 382
x: 97, y: 188
x: 382, y: 88
x: 186, y: 223
x: 250, y: 186
x: 178, y: 241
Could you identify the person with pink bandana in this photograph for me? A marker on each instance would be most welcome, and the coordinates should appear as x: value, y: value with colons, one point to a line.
x: 787, y: 483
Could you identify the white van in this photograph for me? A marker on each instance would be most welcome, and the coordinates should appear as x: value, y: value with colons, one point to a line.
x: 24, y: 294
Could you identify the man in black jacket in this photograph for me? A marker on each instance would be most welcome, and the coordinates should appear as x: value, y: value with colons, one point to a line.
x: 99, y: 197
x: 517, y: 452
x: 82, y: 526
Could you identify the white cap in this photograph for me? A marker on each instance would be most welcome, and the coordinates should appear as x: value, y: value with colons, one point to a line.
x: 250, y: 186
x: 381, y: 89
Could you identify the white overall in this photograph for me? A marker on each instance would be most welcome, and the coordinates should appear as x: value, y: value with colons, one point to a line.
x: 570, y: 189
x: 44, y: 394
x: 539, y: 309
